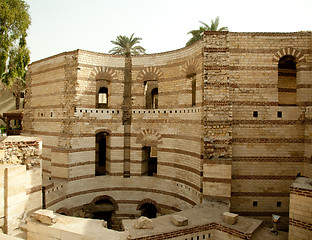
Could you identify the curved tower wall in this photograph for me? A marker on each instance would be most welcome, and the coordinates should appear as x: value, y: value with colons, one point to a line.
x: 72, y: 120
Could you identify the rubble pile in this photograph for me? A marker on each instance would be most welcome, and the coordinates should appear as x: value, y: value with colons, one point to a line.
x: 19, y: 150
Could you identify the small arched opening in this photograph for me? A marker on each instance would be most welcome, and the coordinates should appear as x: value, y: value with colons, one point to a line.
x: 148, y: 210
x: 104, y: 208
x: 287, y: 86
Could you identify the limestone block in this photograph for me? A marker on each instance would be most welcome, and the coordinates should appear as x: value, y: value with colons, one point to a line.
x: 143, y: 223
x: 179, y: 220
x: 37, y: 236
x: 45, y: 216
x: 230, y: 218
x: 8, y: 237
x: 35, y: 227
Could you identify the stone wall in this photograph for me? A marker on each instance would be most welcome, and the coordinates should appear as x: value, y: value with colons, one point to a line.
x: 308, y: 143
x: 300, y: 211
x: 20, y: 194
x: 268, y: 137
x: 21, y: 150
x: 20, y: 185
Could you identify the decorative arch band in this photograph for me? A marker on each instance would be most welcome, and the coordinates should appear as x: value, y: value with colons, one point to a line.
x: 150, y: 73
x: 103, y: 73
x: 289, y: 51
x: 149, y: 137
x: 191, y: 68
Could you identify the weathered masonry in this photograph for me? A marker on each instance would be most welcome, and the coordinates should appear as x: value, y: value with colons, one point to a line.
x: 228, y: 118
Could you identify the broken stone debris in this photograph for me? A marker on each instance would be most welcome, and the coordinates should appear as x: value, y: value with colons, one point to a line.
x: 143, y: 223
x: 179, y: 220
x: 230, y: 218
x: 45, y: 216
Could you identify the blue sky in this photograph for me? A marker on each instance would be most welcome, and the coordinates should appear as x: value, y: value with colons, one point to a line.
x: 65, y: 25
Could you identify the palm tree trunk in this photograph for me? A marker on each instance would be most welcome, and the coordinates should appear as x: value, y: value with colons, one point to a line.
x: 127, y: 113
x: 127, y: 101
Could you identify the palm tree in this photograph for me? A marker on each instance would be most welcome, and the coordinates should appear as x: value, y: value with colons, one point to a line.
x: 126, y: 46
x: 198, y: 34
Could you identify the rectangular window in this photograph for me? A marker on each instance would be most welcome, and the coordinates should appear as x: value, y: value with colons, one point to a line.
x: 254, y: 203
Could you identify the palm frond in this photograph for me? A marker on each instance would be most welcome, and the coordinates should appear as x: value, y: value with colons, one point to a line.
x: 126, y: 45
x: 197, y: 34
x: 223, y: 29
x: 214, y: 24
x: 206, y: 26
x: 137, y: 50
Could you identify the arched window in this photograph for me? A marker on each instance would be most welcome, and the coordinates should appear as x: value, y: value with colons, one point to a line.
x: 103, y: 97
x: 287, y: 86
x: 155, y: 98
x: 101, y: 154
x: 151, y: 94
x: 149, y: 163
x: 191, y: 76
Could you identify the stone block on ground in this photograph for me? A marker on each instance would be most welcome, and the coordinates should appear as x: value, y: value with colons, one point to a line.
x: 45, y: 216
x: 143, y: 223
x: 179, y: 220
x: 230, y: 218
